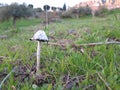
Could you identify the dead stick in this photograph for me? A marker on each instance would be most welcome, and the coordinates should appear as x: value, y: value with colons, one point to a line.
x: 56, y: 44
x: 98, y: 43
x: 89, y: 44
x: 104, y: 81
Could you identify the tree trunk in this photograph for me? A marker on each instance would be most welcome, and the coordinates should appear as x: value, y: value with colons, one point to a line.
x: 14, y: 22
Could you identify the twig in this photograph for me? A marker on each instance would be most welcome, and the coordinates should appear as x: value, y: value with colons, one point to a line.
x: 99, y: 43
x: 89, y: 44
x: 87, y: 88
x: 104, y: 81
x: 56, y: 44
x: 6, y: 78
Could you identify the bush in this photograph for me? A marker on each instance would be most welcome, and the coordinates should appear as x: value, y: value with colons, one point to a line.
x: 114, y: 11
x: 80, y: 12
x: 103, y: 11
x: 84, y: 11
x: 66, y: 14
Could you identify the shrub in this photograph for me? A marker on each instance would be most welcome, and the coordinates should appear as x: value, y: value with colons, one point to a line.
x: 114, y: 11
x: 38, y: 9
x: 103, y: 11
x: 77, y: 12
x: 84, y: 11
x: 66, y: 14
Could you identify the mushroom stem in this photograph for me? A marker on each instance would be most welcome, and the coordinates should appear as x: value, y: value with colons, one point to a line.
x: 38, y: 56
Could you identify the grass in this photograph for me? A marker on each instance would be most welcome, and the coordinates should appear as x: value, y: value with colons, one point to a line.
x: 100, y: 65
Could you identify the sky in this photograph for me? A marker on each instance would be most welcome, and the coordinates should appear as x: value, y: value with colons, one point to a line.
x: 41, y: 3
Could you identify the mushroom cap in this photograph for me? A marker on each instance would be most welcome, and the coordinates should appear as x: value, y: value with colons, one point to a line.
x: 40, y: 35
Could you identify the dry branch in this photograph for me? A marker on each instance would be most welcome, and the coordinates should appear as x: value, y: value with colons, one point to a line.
x: 106, y: 84
x: 89, y: 44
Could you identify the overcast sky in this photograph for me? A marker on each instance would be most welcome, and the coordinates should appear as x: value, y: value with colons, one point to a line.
x: 41, y: 3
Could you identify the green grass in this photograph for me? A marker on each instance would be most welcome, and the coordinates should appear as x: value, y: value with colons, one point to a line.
x: 103, y: 60
x: 7, y: 25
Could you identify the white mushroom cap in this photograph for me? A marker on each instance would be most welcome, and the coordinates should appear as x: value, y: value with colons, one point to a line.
x: 40, y: 35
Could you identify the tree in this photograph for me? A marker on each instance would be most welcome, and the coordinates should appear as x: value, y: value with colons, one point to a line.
x: 16, y: 11
x: 53, y: 8
x: 60, y: 9
x: 38, y: 10
x: 30, y: 6
x: 4, y: 13
x: 64, y: 7
x: 46, y: 7
x: 19, y: 11
x: 103, y: 1
x: 1, y: 5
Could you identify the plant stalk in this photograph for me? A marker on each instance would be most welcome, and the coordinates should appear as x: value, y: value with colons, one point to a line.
x: 6, y: 78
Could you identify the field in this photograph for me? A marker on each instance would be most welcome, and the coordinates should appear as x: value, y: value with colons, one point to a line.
x: 63, y: 67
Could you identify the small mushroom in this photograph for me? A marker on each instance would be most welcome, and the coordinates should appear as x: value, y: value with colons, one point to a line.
x: 39, y: 36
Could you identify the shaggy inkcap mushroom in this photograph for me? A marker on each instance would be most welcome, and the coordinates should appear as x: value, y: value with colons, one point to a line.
x: 39, y: 36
